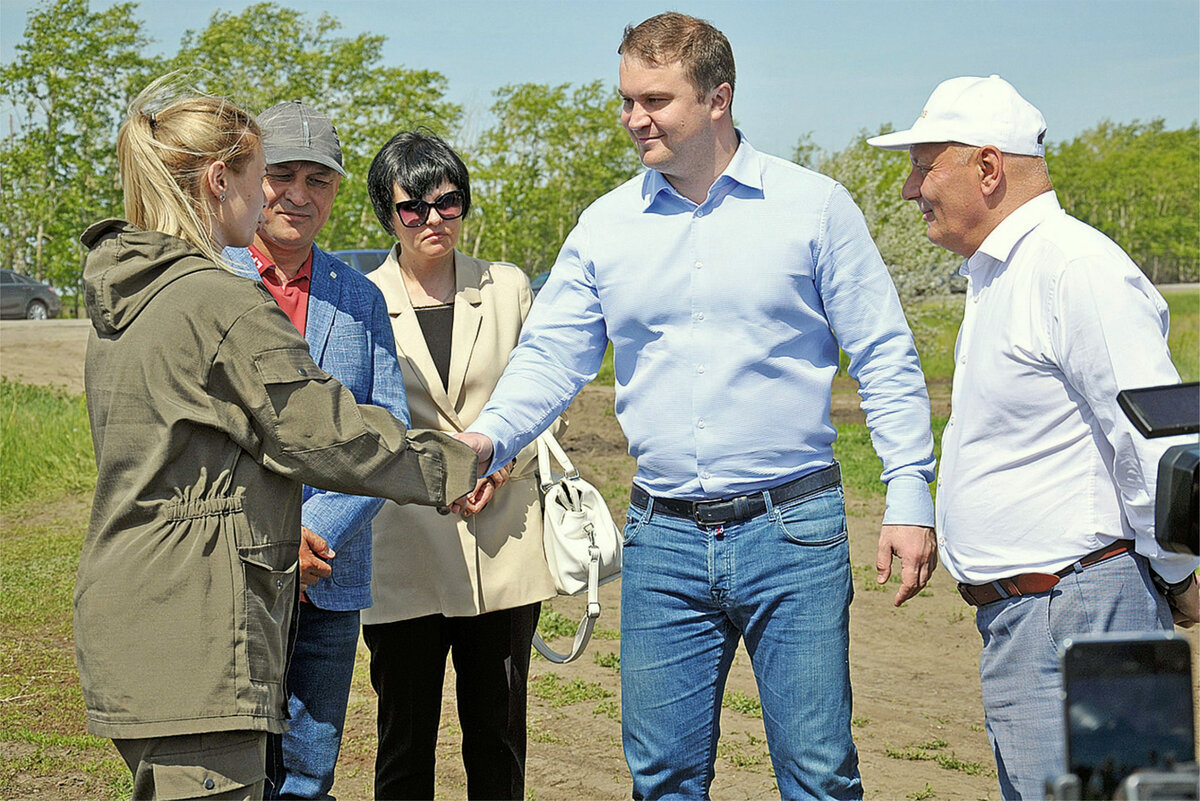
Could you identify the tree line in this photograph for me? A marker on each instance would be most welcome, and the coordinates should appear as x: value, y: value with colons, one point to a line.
x: 547, y: 151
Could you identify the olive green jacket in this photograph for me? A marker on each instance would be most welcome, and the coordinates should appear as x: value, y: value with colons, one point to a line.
x: 208, y: 414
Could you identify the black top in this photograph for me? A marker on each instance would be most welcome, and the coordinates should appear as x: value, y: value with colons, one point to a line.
x: 436, y: 324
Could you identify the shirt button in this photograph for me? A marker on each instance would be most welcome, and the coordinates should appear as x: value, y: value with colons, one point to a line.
x: 700, y: 424
x: 279, y: 584
x: 942, y: 541
x: 209, y: 784
x: 699, y: 264
x: 699, y: 315
x: 705, y: 474
x: 301, y: 371
x: 700, y: 369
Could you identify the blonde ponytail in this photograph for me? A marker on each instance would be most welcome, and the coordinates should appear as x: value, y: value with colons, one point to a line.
x: 164, y: 149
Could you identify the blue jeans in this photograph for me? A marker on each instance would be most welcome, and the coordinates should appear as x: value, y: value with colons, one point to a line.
x: 782, y: 582
x: 300, y: 763
x: 1020, y: 667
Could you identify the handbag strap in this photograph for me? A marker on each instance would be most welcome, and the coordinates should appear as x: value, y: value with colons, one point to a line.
x: 583, y: 632
x: 547, y: 447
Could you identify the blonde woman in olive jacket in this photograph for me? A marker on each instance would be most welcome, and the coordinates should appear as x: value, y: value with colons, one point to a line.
x: 207, y: 416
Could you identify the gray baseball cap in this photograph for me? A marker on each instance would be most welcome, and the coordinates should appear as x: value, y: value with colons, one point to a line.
x: 294, y: 132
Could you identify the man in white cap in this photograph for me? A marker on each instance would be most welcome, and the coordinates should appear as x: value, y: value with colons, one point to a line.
x: 1045, y: 497
x: 344, y: 318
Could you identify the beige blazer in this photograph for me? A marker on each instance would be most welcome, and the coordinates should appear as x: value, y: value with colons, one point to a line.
x: 425, y: 563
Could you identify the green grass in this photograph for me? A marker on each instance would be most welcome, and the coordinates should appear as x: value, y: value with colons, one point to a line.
x: 611, y: 661
x: 45, y: 444
x: 934, y: 751
x: 42, y: 705
x: 550, y: 687
x: 738, y: 701
x: 1184, y: 340
x: 552, y: 625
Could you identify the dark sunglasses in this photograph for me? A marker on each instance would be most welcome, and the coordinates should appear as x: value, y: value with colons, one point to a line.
x: 414, y: 213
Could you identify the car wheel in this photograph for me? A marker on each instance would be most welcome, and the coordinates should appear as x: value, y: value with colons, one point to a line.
x: 36, y: 311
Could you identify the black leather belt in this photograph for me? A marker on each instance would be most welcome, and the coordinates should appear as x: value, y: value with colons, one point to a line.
x: 743, y: 507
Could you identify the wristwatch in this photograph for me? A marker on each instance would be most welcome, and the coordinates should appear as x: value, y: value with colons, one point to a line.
x: 1171, y: 590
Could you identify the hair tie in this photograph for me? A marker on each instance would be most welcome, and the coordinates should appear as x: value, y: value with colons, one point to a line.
x: 153, y: 121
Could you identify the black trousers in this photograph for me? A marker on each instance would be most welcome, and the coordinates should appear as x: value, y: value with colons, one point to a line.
x: 491, y: 661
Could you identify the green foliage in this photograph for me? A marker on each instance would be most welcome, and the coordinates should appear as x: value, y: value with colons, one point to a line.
x: 1140, y: 184
x: 550, y: 687
x: 1184, y: 339
x: 609, y: 660
x: 268, y: 54
x: 874, y: 177
x: 551, y: 624
x: 43, y: 703
x: 934, y: 751
x: 552, y: 151
x: 738, y: 701
x: 45, y: 444
x: 610, y: 709
x: 67, y: 85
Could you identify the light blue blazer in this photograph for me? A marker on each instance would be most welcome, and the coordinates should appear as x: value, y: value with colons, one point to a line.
x: 350, y: 337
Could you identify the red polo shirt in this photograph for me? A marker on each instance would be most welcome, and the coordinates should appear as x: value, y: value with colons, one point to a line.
x: 291, y: 294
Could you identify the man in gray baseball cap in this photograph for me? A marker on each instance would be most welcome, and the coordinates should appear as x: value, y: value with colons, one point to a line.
x: 1045, y: 496
x: 344, y: 318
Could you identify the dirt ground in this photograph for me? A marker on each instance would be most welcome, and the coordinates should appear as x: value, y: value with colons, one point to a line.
x: 917, y: 713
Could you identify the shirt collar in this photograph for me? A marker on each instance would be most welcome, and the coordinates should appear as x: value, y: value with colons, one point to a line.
x: 744, y: 169
x: 263, y: 263
x: 999, y: 244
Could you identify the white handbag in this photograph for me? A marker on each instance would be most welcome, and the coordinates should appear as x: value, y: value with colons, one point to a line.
x: 581, y: 542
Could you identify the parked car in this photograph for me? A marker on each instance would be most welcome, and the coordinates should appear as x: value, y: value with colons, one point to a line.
x: 362, y: 260
x: 22, y: 298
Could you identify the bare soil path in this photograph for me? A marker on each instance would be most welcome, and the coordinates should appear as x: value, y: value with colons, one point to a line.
x: 918, y: 719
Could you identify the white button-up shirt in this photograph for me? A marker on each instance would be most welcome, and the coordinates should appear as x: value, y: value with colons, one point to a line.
x: 1039, y: 464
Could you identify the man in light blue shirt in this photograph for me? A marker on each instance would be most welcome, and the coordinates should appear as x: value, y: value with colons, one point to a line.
x: 726, y: 280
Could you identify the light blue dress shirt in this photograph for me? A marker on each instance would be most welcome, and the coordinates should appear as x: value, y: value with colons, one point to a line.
x: 725, y: 320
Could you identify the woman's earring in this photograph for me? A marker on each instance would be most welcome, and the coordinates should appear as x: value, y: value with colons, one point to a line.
x: 221, y: 197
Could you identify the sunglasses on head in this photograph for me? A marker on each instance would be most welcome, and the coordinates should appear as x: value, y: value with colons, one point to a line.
x: 414, y: 213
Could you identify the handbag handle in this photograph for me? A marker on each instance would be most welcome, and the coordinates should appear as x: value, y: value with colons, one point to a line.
x: 548, y: 446
x: 584, y: 631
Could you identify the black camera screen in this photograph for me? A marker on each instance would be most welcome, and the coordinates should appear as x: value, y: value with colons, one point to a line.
x: 1129, y: 707
x: 1163, y: 411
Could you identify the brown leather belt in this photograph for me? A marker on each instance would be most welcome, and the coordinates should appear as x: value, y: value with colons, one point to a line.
x: 1034, y: 583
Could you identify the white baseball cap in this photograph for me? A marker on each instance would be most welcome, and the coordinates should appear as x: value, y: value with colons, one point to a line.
x: 976, y: 112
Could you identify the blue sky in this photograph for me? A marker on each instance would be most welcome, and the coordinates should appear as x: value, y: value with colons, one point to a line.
x: 829, y: 68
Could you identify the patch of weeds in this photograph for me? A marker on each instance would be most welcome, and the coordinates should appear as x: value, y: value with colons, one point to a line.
x: 869, y: 584
x: 933, y: 751
x: 551, y: 624
x: 957, y: 616
x: 738, y: 701
x: 609, y: 661
x: 978, y: 727
x: 922, y: 795
x: 951, y: 762
x: 745, y: 756
x: 606, y: 634
x: 540, y: 735
x: 609, y: 708
x: 549, y: 687
x: 860, y: 722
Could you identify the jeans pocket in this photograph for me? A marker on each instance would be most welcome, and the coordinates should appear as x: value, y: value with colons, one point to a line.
x: 814, y: 520
x: 634, y: 522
